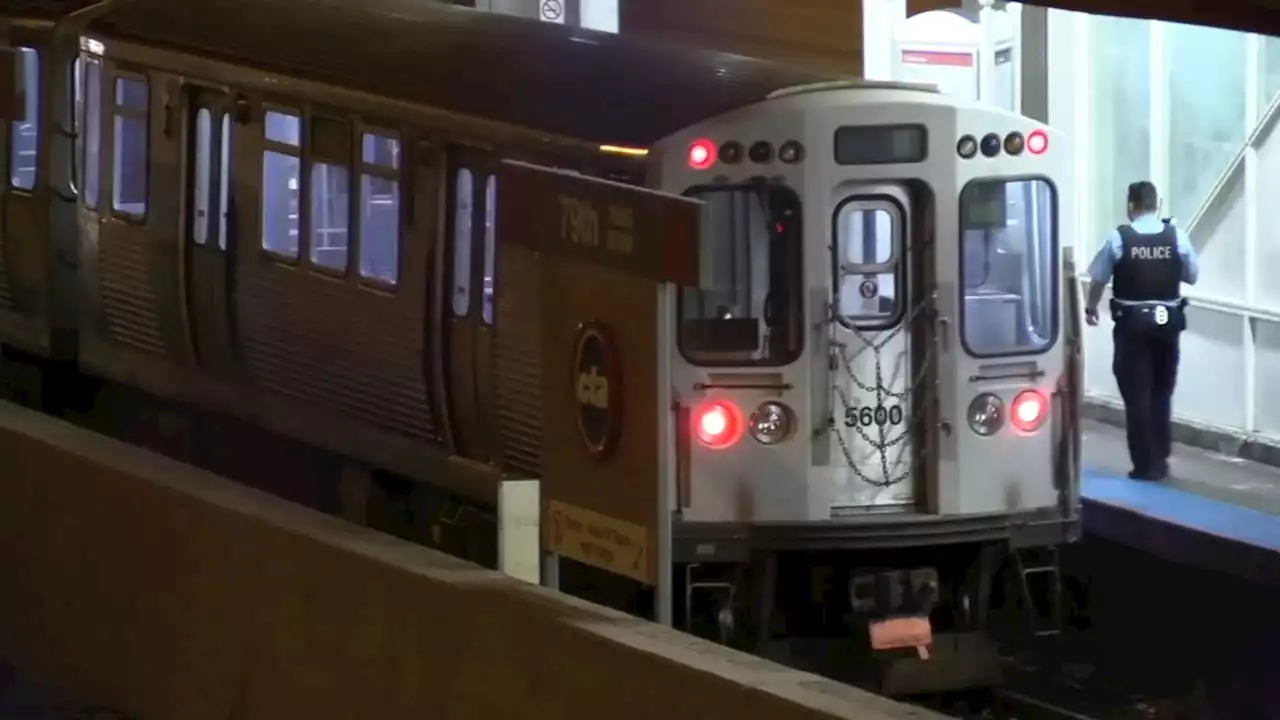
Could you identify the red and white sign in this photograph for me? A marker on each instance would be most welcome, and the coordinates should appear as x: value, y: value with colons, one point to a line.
x: 931, y: 57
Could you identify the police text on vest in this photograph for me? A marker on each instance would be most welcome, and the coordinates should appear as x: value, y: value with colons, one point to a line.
x: 1150, y: 253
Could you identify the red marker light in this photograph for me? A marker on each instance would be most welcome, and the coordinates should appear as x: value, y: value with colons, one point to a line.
x: 702, y: 154
x: 717, y: 424
x: 1029, y: 410
x: 1037, y: 142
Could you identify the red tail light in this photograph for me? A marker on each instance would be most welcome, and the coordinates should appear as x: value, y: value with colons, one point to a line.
x: 1037, y: 142
x: 702, y: 154
x: 717, y: 424
x: 1029, y: 410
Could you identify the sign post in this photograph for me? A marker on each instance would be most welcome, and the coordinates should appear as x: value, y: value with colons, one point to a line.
x: 606, y: 255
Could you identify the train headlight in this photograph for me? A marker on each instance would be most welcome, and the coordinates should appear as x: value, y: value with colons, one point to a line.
x: 986, y: 414
x: 771, y: 423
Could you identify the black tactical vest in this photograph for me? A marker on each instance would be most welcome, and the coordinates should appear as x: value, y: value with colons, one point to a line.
x: 1149, y: 267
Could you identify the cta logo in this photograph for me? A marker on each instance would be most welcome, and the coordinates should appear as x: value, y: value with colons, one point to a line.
x: 597, y: 387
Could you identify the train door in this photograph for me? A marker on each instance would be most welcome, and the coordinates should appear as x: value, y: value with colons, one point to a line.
x: 208, y: 231
x: 468, y: 263
x: 877, y: 378
x: 22, y: 239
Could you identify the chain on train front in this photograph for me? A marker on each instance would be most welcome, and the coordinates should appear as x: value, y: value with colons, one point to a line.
x: 887, y: 439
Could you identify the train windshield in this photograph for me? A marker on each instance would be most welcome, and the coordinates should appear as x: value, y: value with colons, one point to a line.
x: 1009, y: 256
x: 747, y: 310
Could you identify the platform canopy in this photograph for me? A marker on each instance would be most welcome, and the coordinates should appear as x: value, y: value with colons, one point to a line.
x: 826, y: 35
x: 1259, y: 16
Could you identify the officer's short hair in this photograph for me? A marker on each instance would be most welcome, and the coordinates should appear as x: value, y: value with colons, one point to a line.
x: 1143, y: 196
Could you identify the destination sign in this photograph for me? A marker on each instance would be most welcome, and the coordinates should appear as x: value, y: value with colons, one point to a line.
x: 636, y: 230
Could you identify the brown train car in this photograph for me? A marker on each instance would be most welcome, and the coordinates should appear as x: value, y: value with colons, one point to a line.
x: 242, y: 215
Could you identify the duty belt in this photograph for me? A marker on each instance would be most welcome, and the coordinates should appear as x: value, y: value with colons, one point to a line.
x: 1119, y: 309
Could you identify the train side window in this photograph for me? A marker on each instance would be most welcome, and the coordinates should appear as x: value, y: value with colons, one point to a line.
x: 1009, y: 254
x: 329, y: 152
x: 25, y: 129
x: 463, y: 196
x: 281, y: 180
x: 91, y: 138
x: 490, y: 216
x: 330, y: 210
x: 380, y: 207
x: 200, y: 198
x: 129, y: 173
x: 868, y: 234
x: 224, y: 183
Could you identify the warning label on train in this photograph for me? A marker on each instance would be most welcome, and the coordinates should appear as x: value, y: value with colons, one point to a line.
x: 598, y: 540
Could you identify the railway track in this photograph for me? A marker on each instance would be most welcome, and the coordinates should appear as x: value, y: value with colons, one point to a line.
x: 1001, y: 705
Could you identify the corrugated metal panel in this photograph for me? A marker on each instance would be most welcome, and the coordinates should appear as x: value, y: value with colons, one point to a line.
x: 518, y: 359
x: 128, y: 299
x: 823, y: 35
x: 6, y: 299
x: 342, y: 347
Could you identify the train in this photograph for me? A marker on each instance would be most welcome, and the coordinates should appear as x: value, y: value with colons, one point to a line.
x: 284, y: 217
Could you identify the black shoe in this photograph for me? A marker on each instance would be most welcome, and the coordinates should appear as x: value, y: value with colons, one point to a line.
x: 1160, y: 473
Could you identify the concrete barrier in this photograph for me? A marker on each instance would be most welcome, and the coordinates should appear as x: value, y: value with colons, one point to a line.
x: 172, y: 594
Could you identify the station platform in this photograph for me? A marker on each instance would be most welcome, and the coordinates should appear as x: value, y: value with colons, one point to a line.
x: 1215, y: 512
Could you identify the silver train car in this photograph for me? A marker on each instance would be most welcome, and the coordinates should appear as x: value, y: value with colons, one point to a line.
x: 255, y: 229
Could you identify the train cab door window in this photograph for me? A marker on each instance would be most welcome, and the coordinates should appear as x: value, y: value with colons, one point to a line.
x: 1009, y: 266
x: 131, y: 155
x: 867, y: 263
x: 330, y: 217
x: 463, y: 200
x: 208, y: 188
x: 380, y: 206
x: 89, y: 137
x: 748, y: 308
x: 490, y: 228
x: 281, y: 183
x: 24, y: 129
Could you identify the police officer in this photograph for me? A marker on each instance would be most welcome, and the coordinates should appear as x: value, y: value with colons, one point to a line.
x: 1146, y: 260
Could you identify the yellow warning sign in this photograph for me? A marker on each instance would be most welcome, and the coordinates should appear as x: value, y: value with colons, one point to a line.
x: 598, y: 540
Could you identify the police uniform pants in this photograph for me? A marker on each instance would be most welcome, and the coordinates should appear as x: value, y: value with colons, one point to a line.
x: 1146, y: 369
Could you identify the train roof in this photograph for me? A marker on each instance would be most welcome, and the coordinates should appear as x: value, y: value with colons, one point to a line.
x: 597, y: 87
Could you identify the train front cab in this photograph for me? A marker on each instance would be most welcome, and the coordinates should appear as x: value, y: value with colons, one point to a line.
x: 872, y: 411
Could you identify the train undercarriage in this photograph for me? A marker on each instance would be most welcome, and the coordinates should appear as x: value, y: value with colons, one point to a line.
x: 852, y: 612
x: 903, y: 621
